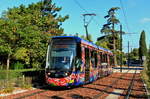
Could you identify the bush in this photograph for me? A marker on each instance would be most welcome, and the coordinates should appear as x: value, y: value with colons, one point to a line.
x: 7, y: 87
x: 18, y: 65
x: 146, y: 74
x: 4, y: 74
x: 148, y: 65
x: 1, y: 67
x: 8, y: 90
x: 26, y: 86
x: 24, y: 78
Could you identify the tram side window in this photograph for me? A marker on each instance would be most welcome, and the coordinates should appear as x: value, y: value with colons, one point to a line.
x: 79, y: 51
x: 111, y: 60
x: 87, y: 57
x: 101, y: 57
x: 106, y: 58
x: 94, y: 58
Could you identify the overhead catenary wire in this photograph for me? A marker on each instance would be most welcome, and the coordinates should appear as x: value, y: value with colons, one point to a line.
x: 124, y: 13
x: 129, y: 34
x: 81, y: 7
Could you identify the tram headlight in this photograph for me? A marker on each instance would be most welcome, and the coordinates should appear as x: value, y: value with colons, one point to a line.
x: 66, y: 74
x: 48, y: 73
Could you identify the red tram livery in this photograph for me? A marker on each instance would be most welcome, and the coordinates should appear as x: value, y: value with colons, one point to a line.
x: 72, y: 61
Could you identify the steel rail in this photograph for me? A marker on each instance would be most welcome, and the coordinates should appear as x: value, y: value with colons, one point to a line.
x: 42, y: 91
x: 146, y: 89
x: 107, y: 88
x: 130, y: 86
x: 32, y: 94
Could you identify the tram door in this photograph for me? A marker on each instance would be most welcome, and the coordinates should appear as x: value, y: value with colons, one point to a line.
x: 87, y: 65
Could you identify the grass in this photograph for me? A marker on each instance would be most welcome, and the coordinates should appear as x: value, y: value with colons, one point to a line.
x: 26, y: 86
x: 9, y: 87
x: 21, y: 70
x: 9, y: 79
x: 8, y: 90
x: 146, y: 76
x: 9, y: 74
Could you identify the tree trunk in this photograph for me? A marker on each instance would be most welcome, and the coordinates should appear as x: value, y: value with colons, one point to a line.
x: 114, y: 45
x: 114, y: 50
x: 8, y: 61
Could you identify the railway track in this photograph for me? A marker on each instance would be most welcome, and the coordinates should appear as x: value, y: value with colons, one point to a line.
x: 129, y: 90
x: 99, y: 89
x: 45, y: 92
x: 107, y: 88
x: 48, y: 93
x: 96, y: 92
x: 134, y: 90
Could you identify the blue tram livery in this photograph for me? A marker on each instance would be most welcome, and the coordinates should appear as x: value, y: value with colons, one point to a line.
x: 72, y: 61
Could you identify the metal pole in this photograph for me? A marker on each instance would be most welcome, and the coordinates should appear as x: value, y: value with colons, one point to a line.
x: 87, y: 36
x: 128, y: 54
x: 121, y: 48
x: 87, y: 23
x: 86, y: 30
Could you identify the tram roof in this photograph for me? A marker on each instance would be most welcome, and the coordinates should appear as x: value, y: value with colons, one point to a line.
x: 78, y: 39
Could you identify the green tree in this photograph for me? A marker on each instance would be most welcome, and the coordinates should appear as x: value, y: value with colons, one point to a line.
x: 149, y: 53
x: 8, y: 39
x: 142, y: 45
x: 109, y: 28
x: 102, y: 44
x: 134, y: 54
x: 27, y: 30
x: 52, y: 21
x: 108, y: 41
x: 148, y: 66
x: 89, y: 37
x: 104, y: 41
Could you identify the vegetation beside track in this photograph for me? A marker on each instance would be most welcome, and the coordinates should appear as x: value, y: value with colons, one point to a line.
x: 146, y: 74
x: 24, y: 78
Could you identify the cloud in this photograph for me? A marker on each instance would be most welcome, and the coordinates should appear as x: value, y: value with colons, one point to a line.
x: 145, y: 20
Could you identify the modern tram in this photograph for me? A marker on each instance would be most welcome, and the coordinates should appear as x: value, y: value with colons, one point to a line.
x: 73, y: 61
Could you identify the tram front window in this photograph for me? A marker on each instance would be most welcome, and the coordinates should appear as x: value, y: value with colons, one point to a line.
x: 60, y: 56
x: 61, y: 59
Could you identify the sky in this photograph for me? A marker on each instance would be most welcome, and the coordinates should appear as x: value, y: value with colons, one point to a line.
x: 133, y: 15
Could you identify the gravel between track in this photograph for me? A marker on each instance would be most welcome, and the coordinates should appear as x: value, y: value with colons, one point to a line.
x: 88, y: 91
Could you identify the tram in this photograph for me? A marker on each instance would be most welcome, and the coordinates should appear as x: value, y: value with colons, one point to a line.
x: 73, y: 61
